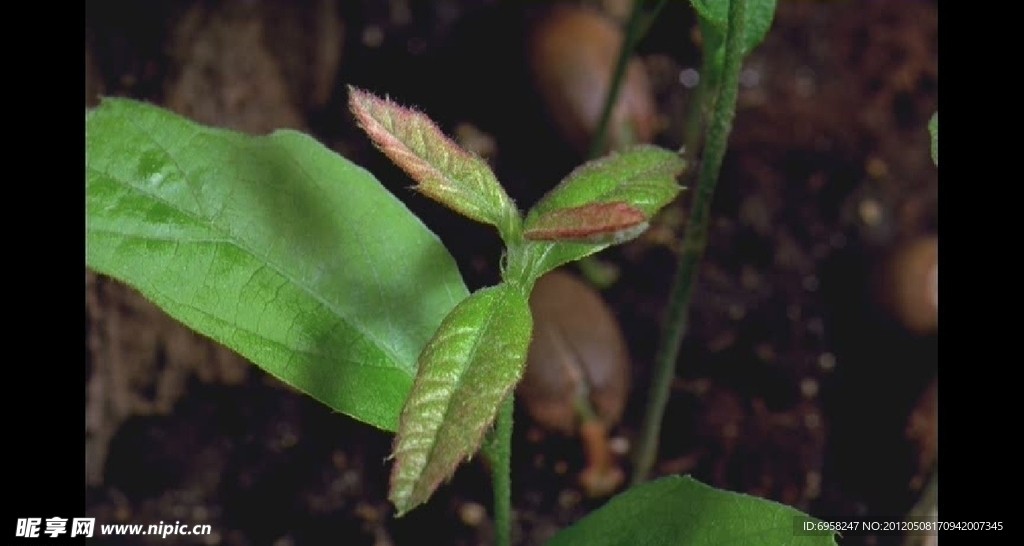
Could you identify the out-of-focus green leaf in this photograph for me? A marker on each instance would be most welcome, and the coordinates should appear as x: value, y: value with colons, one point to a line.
x: 715, y: 14
x: 680, y: 511
x: 465, y: 372
x: 274, y: 246
x: 714, y: 20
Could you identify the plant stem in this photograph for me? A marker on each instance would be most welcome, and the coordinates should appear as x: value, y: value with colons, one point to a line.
x: 694, y: 242
x: 639, y: 22
x: 501, y: 473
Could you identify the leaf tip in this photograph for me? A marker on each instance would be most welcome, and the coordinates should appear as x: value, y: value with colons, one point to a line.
x: 401, y: 504
x: 362, y: 103
x: 356, y: 97
x: 406, y: 493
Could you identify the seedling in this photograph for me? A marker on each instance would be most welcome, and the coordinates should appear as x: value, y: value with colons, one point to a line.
x: 477, y: 355
x: 221, y: 230
x: 302, y: 262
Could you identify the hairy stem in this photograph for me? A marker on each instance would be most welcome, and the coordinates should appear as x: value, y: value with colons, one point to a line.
x: 694, y: 242
x: 501, y: 473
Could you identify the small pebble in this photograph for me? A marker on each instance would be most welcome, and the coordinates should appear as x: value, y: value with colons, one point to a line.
x: 373, y: 36
x: 689, y: 77
x: 472, y: 514
x: 569, y: 498
x: 619, y: 445
x: 827, y: 361
x: 809, y: 388
x: 870, y: 212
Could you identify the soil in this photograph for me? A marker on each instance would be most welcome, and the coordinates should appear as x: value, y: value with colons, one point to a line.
x: 796, y: 382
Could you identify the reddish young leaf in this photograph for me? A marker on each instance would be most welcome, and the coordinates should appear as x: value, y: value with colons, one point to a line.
x: 643, y: 177
x: 596, y: 222
x: 443, y: 170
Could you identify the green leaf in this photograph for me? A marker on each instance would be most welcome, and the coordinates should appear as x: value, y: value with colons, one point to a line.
x: 933, y: 130
x: 274, y: 246
x: 444, y: 170
x: 682, y: 511
x: 466, y: 371
x: 714, y: 20
x: 643, y: 177
x: 715, y: 15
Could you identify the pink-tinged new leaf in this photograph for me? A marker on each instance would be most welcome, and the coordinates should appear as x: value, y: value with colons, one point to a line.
x: 643, y: 176
x: 443, y: 170
x: 596, y: 222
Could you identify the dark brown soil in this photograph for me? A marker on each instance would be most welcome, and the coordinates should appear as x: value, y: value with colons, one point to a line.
x: 794, y: 383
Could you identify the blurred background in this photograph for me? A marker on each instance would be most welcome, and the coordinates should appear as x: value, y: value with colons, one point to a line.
x: 809, y: 372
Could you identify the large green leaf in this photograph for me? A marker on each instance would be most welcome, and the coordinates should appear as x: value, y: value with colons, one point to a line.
x: 643, y: 177
x: 466, y: 371
x: 274, y: 246
x: 680, y: 511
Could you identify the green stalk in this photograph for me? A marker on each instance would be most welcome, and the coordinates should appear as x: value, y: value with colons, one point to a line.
x: 639, y: 23
x: 501, y: 473
x: 694, y: 242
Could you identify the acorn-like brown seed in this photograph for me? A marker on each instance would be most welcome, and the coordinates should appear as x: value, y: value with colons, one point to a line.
x: 577, y: 373
x: 577, y: 354
x: 573, y: 51
x: 910, y: 284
